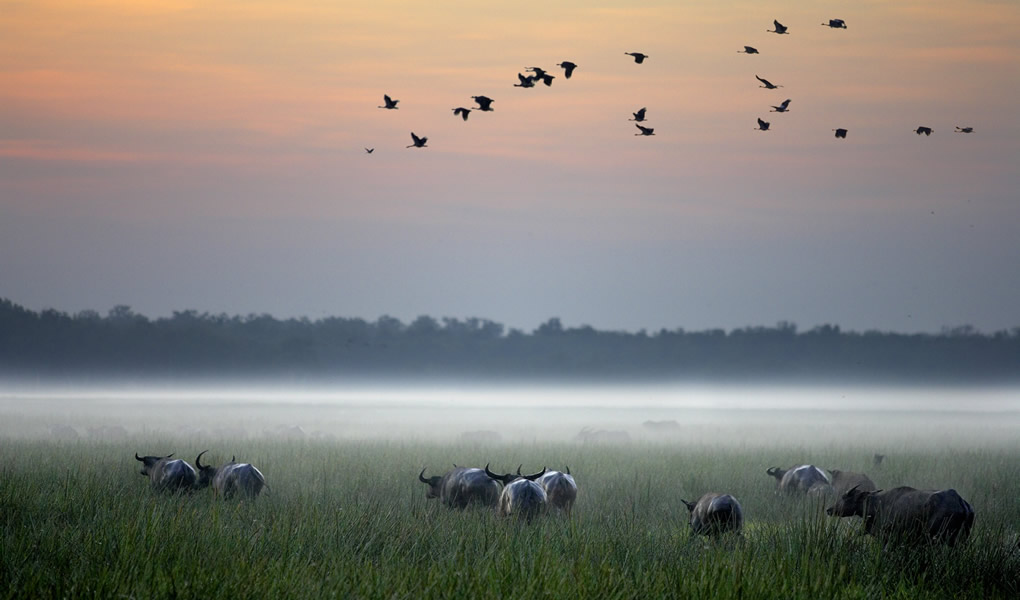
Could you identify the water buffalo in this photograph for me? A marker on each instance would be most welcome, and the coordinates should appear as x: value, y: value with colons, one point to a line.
x: 560, y: 489
x: 230, y: 479
x: 521, y: 496
x: 460, y: 487
x: 588, y: 435
x: 715, y: 513
x: 842, y: 481
x: 166, y: 474
x: 905, y: 514
x: 877, y: 459
x: 801, y: 480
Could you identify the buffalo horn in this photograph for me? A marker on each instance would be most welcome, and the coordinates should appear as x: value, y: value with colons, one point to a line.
x: 535, y: 476
x: 493, y: 475
x: 421, y: 477
x: 198, y: 459
x: 138, y: 458
x: 568, y: 469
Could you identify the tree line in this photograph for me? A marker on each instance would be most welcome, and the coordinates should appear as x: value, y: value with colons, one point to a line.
x: 189, y: 343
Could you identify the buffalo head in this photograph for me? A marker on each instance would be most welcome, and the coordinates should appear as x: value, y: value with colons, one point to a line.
x: 434, y: 483
x: 852, y: 503
x: 510, y: 477
x: 149, y: 461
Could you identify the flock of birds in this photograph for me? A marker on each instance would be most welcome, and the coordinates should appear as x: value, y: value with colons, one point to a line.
x: 539, y: 75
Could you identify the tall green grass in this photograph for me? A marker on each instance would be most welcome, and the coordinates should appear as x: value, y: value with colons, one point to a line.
x: 350, y: 520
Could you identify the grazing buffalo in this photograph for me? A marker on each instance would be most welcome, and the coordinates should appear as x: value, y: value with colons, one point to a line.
x: 230, y: 479
x: 64, y: 433
x: 592, y: 436
x: 166, y: 474
x: 521, y: 496
x: 714, y: 513
x: 905, y: 514
x: 801, y: 480
x: 877, y: 459
x: 560, y: 489
x: 843, y: 481
x: 460, y: 487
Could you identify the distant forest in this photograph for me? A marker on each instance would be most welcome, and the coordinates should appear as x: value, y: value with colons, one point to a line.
x: 192, y: 344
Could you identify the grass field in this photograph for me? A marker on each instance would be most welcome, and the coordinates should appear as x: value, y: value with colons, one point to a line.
x: 349, y: 519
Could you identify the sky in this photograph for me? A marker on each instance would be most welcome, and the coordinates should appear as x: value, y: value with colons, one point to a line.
x: 209, y: 155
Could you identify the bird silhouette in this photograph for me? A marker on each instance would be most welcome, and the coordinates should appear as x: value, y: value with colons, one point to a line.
x: 547, y: 79
x: 419, y: 142
x: 780, y: 28
x: 840, y: 133
x: 568, y: 67
x: 463, y: 112
x: 526, y: 82
x: 964, y: 130
x: 748, y: 50
x: 369, y: 150
x: 768, y: 84
x: 924, y: 130
x: 538, y: 71
x: 484, y: 103
x: 639, y: 115
x: 638, y: 56
x: 784, y: 107
x: 644, y: 130
x: 763, y: 125
x: 835, y: 24
x: 390, y: 102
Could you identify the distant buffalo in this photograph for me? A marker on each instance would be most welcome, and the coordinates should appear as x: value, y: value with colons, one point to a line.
x: 521, y: 496
x: 108, y: 433
x: 166, y: 474
x: 230, y: 479
x: 714, y: 513
x: 670, y: 426
x: 908, y: 515
x: 560, y: 489
x: 843, y: 481
x: 801, y: 480
x: 483, y: 436
x: 877, y: 459
x: 460, y: 487
x: 591, y: 436
x: 64, y: 432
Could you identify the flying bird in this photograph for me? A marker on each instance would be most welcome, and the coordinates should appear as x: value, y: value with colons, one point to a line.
x: 768, y: 84
x: 780, y: 28
x: 924, y: 130
x: 369, y: 150
x: 463, y: 112
x: 644, y: 130
x: 390, y: 102
x: 840, y: 133
x: 763, y: 125
x: 568, y: 67
x: 484, y: 103
x: 748, y: 50
x: 638, y: 57
x: 782, y: 107
x: 639, y: 115
x: 964, y: 130
x: 419, y: 142
x: 547, y: 79
x: 835, y: 24
x: 538, y: 71
x: 526, y: 82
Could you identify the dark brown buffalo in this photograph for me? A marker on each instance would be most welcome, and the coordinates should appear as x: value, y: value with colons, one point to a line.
x: 166, y: 473
x: 909, y: 515
x: 843, y: 481
x: 801, y: 480
x: 460, y: 487
x: 715, y: 513
x: 230, y: 479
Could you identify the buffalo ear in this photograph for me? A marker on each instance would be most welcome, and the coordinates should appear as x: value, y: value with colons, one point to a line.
x: 690, y: 505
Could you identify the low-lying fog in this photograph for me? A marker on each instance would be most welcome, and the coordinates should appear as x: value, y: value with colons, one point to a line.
x: 684, y: 414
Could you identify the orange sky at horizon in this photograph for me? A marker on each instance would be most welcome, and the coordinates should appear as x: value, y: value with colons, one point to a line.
x: 144, y: 112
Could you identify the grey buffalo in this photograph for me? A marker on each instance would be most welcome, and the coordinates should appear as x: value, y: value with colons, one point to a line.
x: 560, y: 489
x: 230, y: 479
x: 843, y: 481
x: 801, y: 480
x: 715, y: 513
x: 909, y: 515
x: 460, y: 487
x: 166, y: 473
x: 521, y: 496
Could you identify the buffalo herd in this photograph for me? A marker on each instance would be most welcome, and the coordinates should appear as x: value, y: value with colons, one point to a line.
x: 901, y: 514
